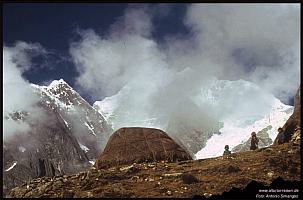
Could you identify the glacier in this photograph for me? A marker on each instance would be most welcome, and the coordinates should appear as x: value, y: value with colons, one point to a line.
x: 232, y: 134
x: 243, y: 107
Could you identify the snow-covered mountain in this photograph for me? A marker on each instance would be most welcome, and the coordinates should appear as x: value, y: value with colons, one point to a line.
x: 65, y: 136
x: 187, y: 118
x: 86, y: 123
x: 119, y: 111
x: 232, y: 134
x: 252, y: 110
x: 241, y: 107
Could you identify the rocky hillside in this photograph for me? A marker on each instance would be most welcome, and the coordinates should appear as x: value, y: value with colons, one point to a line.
x: 294, y: 121
x: 178, y: 179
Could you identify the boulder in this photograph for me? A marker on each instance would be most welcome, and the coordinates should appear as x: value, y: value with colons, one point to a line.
x: 135, y: 145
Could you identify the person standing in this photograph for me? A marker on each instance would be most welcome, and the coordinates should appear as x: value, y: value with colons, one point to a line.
x: 281, y: 136
x: 254, y: 141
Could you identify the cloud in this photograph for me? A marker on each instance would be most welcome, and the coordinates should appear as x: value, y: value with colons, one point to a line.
x: 17, y: 92
x: 107, y: 64
x: 258, y: 43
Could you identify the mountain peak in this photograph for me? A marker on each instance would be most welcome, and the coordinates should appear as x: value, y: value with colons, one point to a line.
x: 55, y: 83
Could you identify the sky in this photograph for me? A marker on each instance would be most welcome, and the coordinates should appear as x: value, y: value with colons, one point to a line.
x: 97, y: 48
x: 55, y: 26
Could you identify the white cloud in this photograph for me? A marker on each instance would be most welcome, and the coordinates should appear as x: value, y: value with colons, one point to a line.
x: 226, y: 40
x: 106, y: 65
x: 17, y: 92
x: 266, y: 36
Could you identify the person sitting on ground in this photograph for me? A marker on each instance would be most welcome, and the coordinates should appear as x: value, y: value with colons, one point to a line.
x: 227, y: 151
x: 281, y: 136
x: 254, y: 141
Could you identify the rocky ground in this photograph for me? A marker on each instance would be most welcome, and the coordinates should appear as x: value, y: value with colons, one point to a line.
x: 180, y: 179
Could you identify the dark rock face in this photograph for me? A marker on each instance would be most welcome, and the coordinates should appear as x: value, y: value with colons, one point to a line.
x: 264, y: 141
x: 48, y: 150
x: 293, y: 121
x: 134, y: 144
x: 63, y: 141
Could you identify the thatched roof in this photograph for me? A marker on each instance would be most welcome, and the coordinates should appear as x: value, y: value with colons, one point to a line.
x: 135, y: 144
